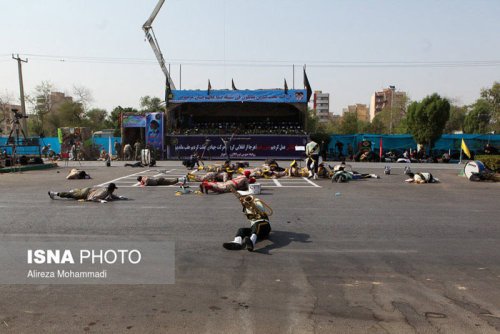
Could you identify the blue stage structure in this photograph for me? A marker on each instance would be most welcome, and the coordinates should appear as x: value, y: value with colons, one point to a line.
x: 256, y: 124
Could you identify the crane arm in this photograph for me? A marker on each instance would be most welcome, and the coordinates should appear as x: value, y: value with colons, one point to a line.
x: 148, y: 30
x: 152, y: 17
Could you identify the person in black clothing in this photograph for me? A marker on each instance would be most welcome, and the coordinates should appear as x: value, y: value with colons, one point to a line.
x: 339, y: 147
x: 488, y: 149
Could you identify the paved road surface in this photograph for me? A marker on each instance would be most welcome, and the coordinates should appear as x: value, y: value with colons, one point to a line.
x: 383, y: 256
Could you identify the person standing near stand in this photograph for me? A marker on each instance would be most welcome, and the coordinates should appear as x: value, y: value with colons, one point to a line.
x: 227, y: 146
x: 340, y: 148
x: 118, y: 150
x: 137, y: 147
x: 312, y: 152
x: 127, y: 152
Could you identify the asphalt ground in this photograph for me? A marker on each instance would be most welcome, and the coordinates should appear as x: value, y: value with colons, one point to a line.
x: 368, y: 256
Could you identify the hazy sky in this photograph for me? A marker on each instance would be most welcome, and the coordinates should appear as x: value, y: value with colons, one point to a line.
x: 351, y: 47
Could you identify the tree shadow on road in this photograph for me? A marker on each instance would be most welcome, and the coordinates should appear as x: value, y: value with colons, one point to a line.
x: 281, y: 239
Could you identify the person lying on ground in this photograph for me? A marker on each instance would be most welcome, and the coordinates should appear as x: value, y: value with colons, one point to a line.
x: 210, y: 176
x: 345, y: 176
x: 419, y: 178
x: 325, y: 171
x: 97, y: 194
x: 76, y: 174
x: 140, y: 164
x: 344, y: 173
x: 486, y: 174
x: 239, y: 183
x: 193, y: 160
x: 272, y: 164
x: 150, y: 181
x: 295, y: 171
x: 217, y: 167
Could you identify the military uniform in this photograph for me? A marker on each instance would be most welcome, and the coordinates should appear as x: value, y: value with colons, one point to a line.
x: 259, y: 229
x: 102, y: 194
x: 158, y: 181
x: 238, y: 183
x: 89, y: 194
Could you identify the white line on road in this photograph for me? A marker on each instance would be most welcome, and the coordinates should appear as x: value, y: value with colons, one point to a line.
x: 121, y: 178
x: 277, y: 182
x: 311, y: 182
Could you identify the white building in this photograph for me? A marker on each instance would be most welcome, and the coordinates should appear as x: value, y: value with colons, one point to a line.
x: 321, y: 103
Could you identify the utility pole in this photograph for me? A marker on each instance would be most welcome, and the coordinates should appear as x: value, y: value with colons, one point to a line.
x: 21, y: 89
x: 393, y: 91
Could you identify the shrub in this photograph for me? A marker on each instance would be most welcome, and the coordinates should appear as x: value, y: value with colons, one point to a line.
x: 491, y: 161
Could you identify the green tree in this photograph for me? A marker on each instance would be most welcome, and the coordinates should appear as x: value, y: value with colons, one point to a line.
x: 5, y: 101
x: 320, y: 132
x: 312, y: 121
x: 402, y: 126
x: 42, y: 107
x: 69, y: 114
x: 389, y: 119
x: 456, y: 120
x: 151, y: 104
x: 329, y: 127
x: 478, y: 119
x: 96, y: 119
x: 377, y: 125
x: 113, y: 120
x: 492, y: 96
x: 426, y: 119
x: 349, y: 123
x: 364, y: 127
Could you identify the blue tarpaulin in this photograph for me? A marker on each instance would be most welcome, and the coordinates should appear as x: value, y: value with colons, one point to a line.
x: 101, y: 143
x: 475, y: 142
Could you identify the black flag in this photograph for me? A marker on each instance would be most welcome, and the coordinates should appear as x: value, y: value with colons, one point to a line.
x: 168, y: 93
x: 232, y: 84
x: 286, y: 88
x: 209, y: 87
x: 307, y: 85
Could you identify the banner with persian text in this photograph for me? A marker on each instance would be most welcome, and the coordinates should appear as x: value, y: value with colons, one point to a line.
x: 240, y: 147
x: 267, y: 96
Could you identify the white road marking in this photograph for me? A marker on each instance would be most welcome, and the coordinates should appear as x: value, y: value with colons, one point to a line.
x: 121, y: 178
x: 125, y: 182
x: 311, y: 182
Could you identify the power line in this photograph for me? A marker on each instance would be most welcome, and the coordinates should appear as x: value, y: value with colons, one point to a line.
x: 269, y: 63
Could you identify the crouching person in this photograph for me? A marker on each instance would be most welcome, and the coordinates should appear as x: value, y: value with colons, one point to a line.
x: 257, y: 212
x: 100, y: 194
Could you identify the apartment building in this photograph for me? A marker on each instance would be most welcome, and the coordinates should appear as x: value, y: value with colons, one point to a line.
x: 361, y: 110
x: 54, y: 102
x: 321, y: 103
x: 387, y: 98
